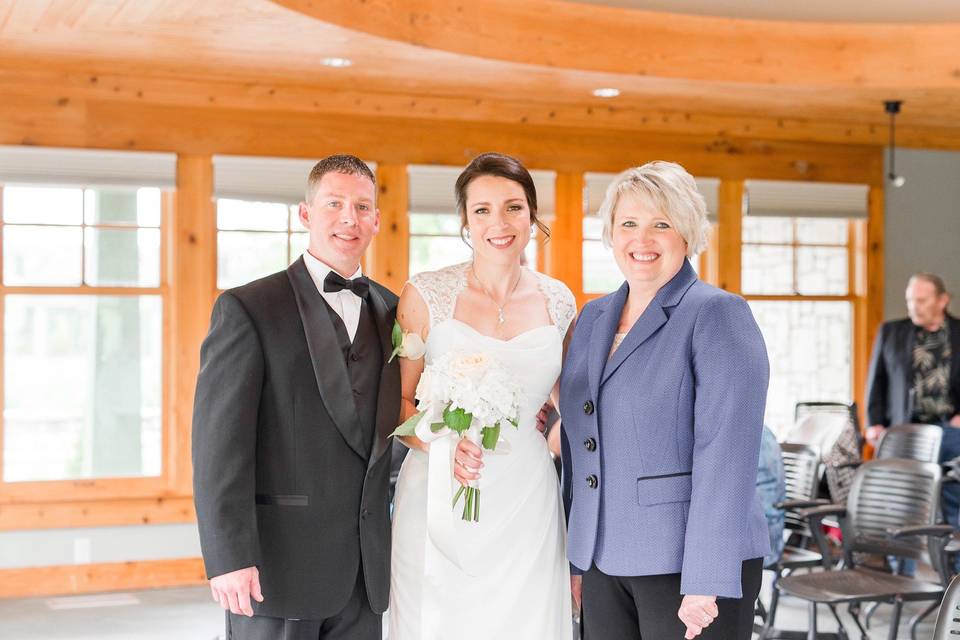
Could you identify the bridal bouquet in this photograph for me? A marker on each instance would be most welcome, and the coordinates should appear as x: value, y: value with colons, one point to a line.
x: 470, y: 394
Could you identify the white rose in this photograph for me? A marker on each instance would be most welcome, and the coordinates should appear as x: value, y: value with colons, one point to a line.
x: 412, y: 347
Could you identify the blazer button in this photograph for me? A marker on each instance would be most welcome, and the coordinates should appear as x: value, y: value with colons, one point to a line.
x: 364, y: 513
x: 354, y: 357
x: 588, y: 407
x: 592, y: 481
x: 590, y: 444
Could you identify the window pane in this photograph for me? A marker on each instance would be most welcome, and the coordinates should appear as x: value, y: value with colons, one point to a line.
x: 435, y: 224
x: 44, y: 256
x: 118, y: 257
x: 600, y: 271
x: 244, y: 256
x: 251, y: 216
x: 298, y: 245
x: 809, y: 346
x: 822, y: 230
x: 822, y: 270
x: 82, y: 387
x: 592, y: 228
x: 764, y: 229
x: 111, y: 206
x: 295, y: 224
x: 432, y: 253
x: 42, y: 205
x: 767, y: 270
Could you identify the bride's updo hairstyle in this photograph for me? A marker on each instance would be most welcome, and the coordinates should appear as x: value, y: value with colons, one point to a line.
x: 501, y: 166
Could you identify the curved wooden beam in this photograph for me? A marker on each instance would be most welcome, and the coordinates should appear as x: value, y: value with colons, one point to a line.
x: 572, y: 35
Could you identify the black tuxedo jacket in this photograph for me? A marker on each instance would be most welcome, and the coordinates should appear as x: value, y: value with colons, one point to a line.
x: 890, y: 378
x: 282, y: 480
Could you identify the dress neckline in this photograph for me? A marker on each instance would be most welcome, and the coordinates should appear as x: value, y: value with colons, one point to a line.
x: 475, y: 331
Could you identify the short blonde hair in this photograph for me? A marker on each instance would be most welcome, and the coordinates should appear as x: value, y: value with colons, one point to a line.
x: 670, y: 189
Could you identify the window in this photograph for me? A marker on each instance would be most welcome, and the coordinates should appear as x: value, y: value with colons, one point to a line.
x: 796, y: 273
x: 255, y: 239
x: 83, y: 307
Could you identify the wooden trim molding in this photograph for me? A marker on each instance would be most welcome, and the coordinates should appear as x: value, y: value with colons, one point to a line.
x: 74, y: 579
x: 563, y: 254
x: 727, y: 248
x: 96, y: 513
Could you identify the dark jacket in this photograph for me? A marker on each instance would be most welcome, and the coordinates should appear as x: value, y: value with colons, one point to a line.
x: 284, y: 478
x: 890, y: 378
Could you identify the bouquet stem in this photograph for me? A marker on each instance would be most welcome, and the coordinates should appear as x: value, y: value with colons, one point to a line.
x: 471, y: 503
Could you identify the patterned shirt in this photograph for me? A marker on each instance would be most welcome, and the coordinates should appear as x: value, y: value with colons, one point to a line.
x: 931, y: 376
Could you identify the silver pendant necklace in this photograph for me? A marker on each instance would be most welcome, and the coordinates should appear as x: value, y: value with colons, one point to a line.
x: 500, y: 317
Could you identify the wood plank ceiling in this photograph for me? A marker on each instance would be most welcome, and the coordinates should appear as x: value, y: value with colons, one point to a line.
x: 497, y: 61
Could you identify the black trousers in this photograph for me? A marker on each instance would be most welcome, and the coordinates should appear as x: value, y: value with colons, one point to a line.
x: 355, y: 622
x: 645, y: 607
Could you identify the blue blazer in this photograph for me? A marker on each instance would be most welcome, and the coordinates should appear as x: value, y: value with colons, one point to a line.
x: 661, y: 440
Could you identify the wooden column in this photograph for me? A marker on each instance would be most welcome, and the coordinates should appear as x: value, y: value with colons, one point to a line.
x: 388, y: 257
x: 563, y: 255
x: 191, y: 260
x: 723, y: 257
x: 868, y: 281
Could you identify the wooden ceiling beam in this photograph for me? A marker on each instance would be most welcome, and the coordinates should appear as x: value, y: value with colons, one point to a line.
x: 573, y: 35
x: 117, y: 124
x: 70, y: 85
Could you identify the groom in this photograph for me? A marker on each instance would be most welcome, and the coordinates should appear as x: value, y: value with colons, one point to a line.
x: 294, y: 404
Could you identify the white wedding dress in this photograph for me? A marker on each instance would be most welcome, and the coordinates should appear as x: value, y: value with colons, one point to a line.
x: 509, y: 576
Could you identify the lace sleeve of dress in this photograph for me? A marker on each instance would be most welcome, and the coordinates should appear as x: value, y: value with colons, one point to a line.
x: 439, y: 289
x: 561, y: 303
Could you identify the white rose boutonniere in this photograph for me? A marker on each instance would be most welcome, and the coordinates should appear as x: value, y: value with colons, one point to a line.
x: 406, y: 345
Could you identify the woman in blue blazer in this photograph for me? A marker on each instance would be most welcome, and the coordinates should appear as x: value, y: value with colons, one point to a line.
x: 662, y: 398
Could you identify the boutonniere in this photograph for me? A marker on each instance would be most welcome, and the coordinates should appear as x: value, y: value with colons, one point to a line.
x: 406, y: 345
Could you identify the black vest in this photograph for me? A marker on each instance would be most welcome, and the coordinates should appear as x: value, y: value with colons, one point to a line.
x: 364, y: 360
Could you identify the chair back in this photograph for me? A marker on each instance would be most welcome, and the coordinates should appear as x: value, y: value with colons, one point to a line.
x: 891, y: 494
x: 911, y: 442
x: 801, y: 466
x: 948, y: 620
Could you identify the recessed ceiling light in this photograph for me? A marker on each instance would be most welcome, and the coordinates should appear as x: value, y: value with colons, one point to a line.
x: 606, y: 92
x: 337, y: 62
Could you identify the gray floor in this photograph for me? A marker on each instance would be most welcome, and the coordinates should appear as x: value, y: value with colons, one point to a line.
x: 190, y: 614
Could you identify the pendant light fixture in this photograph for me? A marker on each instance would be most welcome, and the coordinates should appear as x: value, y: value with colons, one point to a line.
x: 893, y: 108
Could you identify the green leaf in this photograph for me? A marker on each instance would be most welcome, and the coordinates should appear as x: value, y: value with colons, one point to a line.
x: 436, y: 426
x: 458, y: 420
x: 489, y: 436
x: 408, y: 428
x: 396, y: 337
x: 514, y: 422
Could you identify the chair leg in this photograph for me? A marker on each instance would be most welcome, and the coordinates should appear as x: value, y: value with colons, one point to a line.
x: 868, y: 614
x: 772, y: 612
x: 895, y: 619
x: 841, y: 631
x: 917, y: 619
x: 812, y: 621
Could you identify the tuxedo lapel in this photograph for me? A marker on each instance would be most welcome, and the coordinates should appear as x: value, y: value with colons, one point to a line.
x: 329, y: 368
x: 601, y: 337
x: 388, y: 407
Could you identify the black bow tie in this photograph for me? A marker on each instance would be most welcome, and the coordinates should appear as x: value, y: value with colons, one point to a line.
x: 335, y: 282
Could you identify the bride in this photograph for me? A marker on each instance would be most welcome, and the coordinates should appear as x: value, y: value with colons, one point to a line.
x: 508, y: 576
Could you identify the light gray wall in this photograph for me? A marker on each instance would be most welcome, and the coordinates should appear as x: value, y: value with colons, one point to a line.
x: 46, y: 547
x: 922, y: 226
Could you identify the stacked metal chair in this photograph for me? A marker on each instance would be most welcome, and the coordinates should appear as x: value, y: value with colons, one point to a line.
x: 892, y: 510
x: 948, y: 620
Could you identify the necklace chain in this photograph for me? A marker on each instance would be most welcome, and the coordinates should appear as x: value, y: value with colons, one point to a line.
x: 500, y: 317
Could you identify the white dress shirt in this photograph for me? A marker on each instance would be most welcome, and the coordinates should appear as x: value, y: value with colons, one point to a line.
x: 346, y: 303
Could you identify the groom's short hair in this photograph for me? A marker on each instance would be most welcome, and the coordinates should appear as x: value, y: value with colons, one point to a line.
x: 339, y: 163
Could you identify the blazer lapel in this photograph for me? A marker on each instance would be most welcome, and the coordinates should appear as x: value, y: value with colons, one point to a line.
x: 601, y: 337
x: 388, y: 405
x: 652, y: 318
x: 330, y: 370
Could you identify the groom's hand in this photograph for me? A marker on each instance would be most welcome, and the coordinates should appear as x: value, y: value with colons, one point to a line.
x: 233, y: 590
x: 697, y: 612
x: 542, y: 416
